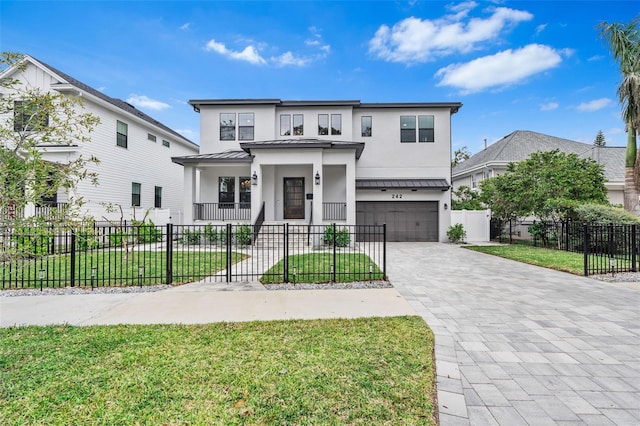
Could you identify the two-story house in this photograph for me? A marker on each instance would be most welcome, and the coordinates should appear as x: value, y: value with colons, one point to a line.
x: 135, y: 170
x: 320, y: 162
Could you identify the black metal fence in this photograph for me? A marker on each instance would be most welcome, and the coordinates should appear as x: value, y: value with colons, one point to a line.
x: 145, y: 254
x: 606, y: 248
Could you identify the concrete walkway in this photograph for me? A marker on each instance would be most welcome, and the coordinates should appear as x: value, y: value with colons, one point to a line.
x: 522, y: 345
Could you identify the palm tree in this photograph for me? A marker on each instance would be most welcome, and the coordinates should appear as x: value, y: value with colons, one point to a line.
x: 624, y: 43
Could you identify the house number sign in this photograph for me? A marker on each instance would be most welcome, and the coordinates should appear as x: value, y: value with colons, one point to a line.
x: 394, y: 196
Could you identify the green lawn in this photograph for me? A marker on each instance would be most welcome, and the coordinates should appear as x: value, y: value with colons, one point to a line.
x: 362, y: 371
x: 316, y: 267
x: 111, y: 269
x: 553, y: 259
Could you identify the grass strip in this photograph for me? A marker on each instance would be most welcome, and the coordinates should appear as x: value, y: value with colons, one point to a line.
x: 316, y: 268
x: 553, y: 259
x: 356, y: 371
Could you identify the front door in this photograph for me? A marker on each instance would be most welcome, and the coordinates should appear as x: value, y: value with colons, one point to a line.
x: 294, y: 198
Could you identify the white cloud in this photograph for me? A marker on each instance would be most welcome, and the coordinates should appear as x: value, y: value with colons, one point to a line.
x: 185, y: 26
x: 540, y: 28
x: 502, y: 69
x: 415, y: 40
x: 549, y: 106
x: 595, y: 105
x: 288, y: 58
x: 145, y: 102
x: 249, y: 54
x: 595, y: 58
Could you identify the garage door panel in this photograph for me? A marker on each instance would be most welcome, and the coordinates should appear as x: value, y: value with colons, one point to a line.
x: 406, y: 221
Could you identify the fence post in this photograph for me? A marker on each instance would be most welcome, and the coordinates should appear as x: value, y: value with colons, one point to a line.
x: 585, y: 248
x: 285, y: 250
x: 634, y: 247
x: 229, y: 238
x: 73, y: 258
x: 335, y: 267
x: 169, y: 266
x: 384, y: 251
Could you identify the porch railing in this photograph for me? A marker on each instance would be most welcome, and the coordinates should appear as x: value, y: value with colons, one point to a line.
x: 222, y: 211
x: 334, y: 211
x: 50, y: 210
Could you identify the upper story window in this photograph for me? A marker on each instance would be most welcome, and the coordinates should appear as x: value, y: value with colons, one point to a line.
x: 285, y: 125
x: 245, y: 126
x: 323, y: 124
x: 365, y: 125
x: 122, y: 131
x: 135, y: 194
x: 336, y: 124
x: 151, y: 137
x: 29, y: 116
x: 227, y: 126
x: 425, y: 128
x: 298, y: 124
x: 166, y: 143
x: 408, y: 128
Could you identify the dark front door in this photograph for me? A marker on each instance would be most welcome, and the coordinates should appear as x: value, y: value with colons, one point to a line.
x: 294, y: 198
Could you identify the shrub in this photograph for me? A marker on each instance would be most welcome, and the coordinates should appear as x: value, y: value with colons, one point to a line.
x: 32, y: 242
x: 86, y: 239
x: 116, y: 238
x: 456, y: 233
x: 191, y: 236
x: 210, y: 233
x: 146, y: 232
x: 243, y: 235
x: 599, y: 213
x: 343, y: 238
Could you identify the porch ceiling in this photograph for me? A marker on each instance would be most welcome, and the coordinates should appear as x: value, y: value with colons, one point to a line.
x: 304, y: 143
x: 437, y: 184
x: 219, y: 157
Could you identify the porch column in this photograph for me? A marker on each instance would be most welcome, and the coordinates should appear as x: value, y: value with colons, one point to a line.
x: 350, y: 170
x: 317, y: 191
x: 189, y: 193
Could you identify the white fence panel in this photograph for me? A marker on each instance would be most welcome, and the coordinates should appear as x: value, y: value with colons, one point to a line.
x: 475, y: 222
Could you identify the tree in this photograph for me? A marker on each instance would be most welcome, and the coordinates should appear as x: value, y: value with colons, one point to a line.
x: 599, y: 140
x: 460, y: 155
x: 33, y: 121
x: 548, y: 185
x: 466, y: 199
x: 624, y: 43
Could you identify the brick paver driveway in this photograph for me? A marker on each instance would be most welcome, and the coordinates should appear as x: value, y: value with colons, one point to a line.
x: 517, y: 344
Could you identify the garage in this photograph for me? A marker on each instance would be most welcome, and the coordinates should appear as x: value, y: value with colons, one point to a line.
x: 406, y: 220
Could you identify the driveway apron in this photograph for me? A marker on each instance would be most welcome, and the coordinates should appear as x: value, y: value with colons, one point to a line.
x: 522, y: 345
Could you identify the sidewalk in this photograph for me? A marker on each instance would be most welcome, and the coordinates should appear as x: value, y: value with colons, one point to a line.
x: 201, y: 303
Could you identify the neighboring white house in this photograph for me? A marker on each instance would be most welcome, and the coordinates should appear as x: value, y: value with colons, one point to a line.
x: 319, y: 162
x: 519, y: 145
x: 134, y: 150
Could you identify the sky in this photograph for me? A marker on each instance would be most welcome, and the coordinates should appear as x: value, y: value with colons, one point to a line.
x: 514, y: 65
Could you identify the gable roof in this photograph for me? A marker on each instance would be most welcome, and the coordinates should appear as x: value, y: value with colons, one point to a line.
x: 519, y: 145
x: 119, y: 103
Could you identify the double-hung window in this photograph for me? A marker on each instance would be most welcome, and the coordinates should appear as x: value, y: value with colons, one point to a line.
x: 227, y: 126
x: 323, y: 124
x: 135, y: 194
x: 298, y: 124
x: 365, y: 125
x: 336, y: 124
x: 157, y: 197
x: 226, y: 192
x: 29, y: 116
x: 408, y: 128
x: 245, y: 126
x: 122, y: 131
x: 285, y: 125
x: 425, y: 128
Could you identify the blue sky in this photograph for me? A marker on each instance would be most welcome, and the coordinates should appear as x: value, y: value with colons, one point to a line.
x: 515, y: 65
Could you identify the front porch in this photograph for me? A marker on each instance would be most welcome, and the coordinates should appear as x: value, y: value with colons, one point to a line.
x: 241, y: 212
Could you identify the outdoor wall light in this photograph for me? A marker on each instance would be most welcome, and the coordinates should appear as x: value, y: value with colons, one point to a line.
x: 317, y: 178
x: 254, y: 178
x: 446, y: 206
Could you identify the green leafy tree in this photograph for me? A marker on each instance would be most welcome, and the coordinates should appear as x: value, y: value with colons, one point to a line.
x: 460, y: 155
x: 33, y: 121
x: 624, y: 44
x: 548, y: 185
x: 599, y: 140
x: 466, y: 199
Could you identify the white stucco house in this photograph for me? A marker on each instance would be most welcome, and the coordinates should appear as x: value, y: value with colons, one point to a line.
x: 520, y: 144
x: 322, y: 162
x: 134, y: 150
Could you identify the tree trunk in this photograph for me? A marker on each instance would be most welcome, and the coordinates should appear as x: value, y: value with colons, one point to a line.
x: 630, y: 191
